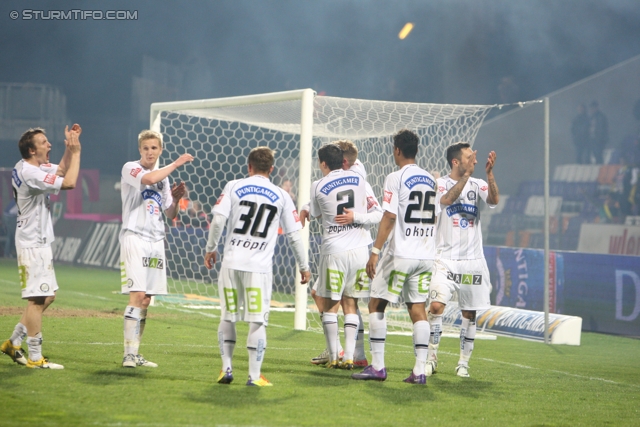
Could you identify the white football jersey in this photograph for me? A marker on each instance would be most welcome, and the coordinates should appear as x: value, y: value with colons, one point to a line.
x: 329, y: 196
x: 142, y: 205
x: 459, y: 231
x: 255, y: 208
x: 358, y: 167
x: 410, y: 193
x: 32, y: 187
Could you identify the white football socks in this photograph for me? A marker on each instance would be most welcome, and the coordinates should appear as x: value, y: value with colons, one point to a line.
x: 256, y: 345
x: 226, y: 342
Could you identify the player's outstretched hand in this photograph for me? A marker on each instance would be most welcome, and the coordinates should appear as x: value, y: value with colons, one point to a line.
x: 472, y: 164
x: 185, y: 158
x: 304, y: 216
x: 371, y: 265
x: 72, y: 137
x: 210, y: 259
x: 345, y: 218
x: 491, y: 161
x: 178, y: 190
x: 305, y: 277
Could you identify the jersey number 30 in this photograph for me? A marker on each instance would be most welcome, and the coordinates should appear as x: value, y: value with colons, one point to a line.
x: 248, y: 219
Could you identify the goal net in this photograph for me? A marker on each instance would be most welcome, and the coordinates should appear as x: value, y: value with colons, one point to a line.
x: 219, y: 133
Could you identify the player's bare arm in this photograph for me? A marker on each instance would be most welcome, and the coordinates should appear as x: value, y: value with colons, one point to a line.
x: 386, y: 225
x: 494, y: 193
x: 304, y: 217
x: 71, y: 168
x: 177, y: 191
x: 160, y: 174
x: 72, y: 144
x: 454, y: 192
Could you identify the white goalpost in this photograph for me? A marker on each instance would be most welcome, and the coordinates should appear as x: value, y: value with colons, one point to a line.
x: 221, y: 132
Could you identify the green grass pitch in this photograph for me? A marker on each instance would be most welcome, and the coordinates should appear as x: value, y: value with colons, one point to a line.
x: 513, y: 382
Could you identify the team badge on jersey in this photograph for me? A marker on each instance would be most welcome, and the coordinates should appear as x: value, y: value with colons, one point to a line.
x: 471, y: 195
x: 44, y: 287
x: 50, y: 178
x: 484, y: 188
x: 152, y: 208
x: 135, y: 172
x: 388, y: 195
x: 160, y: 185
x: 463, y: 223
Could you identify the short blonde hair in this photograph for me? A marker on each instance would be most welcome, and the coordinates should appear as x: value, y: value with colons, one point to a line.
x: 149, y: 134
x: 349, y: 150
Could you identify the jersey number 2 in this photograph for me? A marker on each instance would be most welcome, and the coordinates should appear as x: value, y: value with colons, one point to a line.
x: 348, y: 194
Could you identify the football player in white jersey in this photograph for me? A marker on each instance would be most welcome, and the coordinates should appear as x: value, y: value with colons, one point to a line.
x: 460, y: 263
x: 373, y: 216
x: 344, y: 250
x: 406, y: 265
x: 253, y: 209
x: 146, y: 194
x: 34, y: 179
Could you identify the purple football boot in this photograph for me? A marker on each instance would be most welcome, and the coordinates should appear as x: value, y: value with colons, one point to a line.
x: 370, y: 373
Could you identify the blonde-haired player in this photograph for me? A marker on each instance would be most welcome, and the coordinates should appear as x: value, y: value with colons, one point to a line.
x: 146, y: 194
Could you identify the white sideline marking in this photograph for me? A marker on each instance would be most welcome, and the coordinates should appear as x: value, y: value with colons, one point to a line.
x: 517, y: 365
x: 8, y: 282
x: 212, y: 316
x: 92, y: 296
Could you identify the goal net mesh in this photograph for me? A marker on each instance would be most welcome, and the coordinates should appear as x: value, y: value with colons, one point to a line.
x: 220, y: 140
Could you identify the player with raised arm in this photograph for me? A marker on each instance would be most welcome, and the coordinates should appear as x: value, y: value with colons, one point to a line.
x: 34, y: 179
x: 373, y: 216
x: 344, y: 250
x: 146, y: 194
x: 460, y: 262
x: 253, y: 208
x: 406, y: 265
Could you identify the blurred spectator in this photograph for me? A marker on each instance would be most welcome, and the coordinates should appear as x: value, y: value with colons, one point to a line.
x: 287, y: 186
x: 610, y: 212
x: 195, y: 216
x: 598, y: 132
x: 625, y: 186
x: 9, y: 219
x: 580, y: 135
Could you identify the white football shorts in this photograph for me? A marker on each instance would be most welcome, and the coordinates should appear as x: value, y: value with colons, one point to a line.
x: 344, y: 273
x: 37, y: 276
x: 143, y: 266
x: 244, y: 290
x: 469, y: 277
x: 409, y: 278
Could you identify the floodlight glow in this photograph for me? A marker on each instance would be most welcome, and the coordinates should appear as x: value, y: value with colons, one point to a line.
x: 404, y: 32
